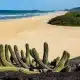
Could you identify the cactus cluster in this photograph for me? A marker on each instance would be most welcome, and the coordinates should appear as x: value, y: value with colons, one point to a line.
x: 11, y: 59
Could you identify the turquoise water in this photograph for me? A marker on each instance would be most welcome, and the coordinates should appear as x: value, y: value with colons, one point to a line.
x: 14, y: 14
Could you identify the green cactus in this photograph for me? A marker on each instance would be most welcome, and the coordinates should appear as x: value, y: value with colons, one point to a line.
x: 13, y: 55
x: 55, y: 61
x: 66, y: 69
x: 19, y: 58
x: 37, y: 59
x: 2, y: 57
x: 62, y: 62
x: 65, y: 57
x: 26, y: 71
x: 1, y: 64
x: 17, y: 69
x: 15, y: 62
x: 33, y: 62
x: 31, y: 53
x: 28, y: 61
x: 22, y: 56
x: 7, y: 54
x: 45, y: 56
x: 12, y: 60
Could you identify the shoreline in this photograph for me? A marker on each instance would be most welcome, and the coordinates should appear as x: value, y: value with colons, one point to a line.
x: 35, y: 31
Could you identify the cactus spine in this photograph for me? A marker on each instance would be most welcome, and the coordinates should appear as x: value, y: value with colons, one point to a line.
x: 45, y: 56
x: 19, y: 58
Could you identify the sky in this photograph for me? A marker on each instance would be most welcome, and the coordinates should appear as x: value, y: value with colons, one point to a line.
x: 38, y: 4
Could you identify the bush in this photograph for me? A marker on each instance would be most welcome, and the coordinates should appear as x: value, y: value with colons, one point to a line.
x: 69, y: 19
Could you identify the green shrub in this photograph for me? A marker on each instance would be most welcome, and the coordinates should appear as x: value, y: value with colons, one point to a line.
x: 69, y: 19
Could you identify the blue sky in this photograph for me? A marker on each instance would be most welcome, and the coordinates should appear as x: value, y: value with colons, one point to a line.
x: 38, y: 4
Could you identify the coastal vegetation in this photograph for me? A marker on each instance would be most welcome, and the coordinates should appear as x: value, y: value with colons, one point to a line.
x: 11, y: 59
x: 71, y: 18
x: 18, y: 60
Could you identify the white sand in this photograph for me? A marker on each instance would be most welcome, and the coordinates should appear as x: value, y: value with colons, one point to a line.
x: 36, y: 31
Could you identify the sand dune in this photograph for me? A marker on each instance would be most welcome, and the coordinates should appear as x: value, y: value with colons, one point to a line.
x: 36, y: 31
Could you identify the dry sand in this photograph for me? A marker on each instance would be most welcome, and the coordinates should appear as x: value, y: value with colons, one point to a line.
x: 36, y: 31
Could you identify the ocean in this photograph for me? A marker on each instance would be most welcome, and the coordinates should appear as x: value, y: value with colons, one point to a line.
x: 15, y: 14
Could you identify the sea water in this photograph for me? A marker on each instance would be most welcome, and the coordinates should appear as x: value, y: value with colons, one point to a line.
x: 15, y: 14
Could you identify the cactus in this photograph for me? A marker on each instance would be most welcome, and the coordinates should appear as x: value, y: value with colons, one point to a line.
x: 12, y: 60
x: 65, y: 57
x: 31, y: 53
x: 33, y: 63
x: 66, y: 69
x: 26, y: 71
x: 13, y: 55
x: 17, y: 69
x: 62, y: 62
x: 55, y: 61
x: 36, y: 57
x: 45, y: 56
x: 2, y: 57
x: 7, y: 54
x: 22, y: 56
x: 17, y: 63
x: 28, y: 61
x: 1, y: 63
x: 19, y: 58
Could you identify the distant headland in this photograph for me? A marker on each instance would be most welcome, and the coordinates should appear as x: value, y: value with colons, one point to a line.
x: 71, y: 18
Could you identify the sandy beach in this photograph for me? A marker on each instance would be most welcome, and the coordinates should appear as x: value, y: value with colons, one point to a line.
x: 36, y: 31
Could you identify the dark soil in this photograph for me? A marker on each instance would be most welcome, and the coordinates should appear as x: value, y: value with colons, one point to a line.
x: 42, y: 76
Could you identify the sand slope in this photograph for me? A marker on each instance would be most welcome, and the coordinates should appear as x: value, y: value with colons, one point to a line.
x: 36, y: 31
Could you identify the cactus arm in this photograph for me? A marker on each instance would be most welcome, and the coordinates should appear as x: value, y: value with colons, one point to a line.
x: 26, y: 71
x: 12, y: 60
x: 62, y: 62
x: 22, y: 56
x: 13, y: 55
x: 0, y: 63
x: 7, y: 54
x: 31, y: 53
x: 28, y: 61
x: 2, y: 57
x: 66, y: 69
x: 33, y: 62
x: 19, y: 58
x: 45, y: 56
x: 55, y: 61
x: 4, y: 69
x: 36, y: 57
x: 58, y: 68
x: 17, y: 69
